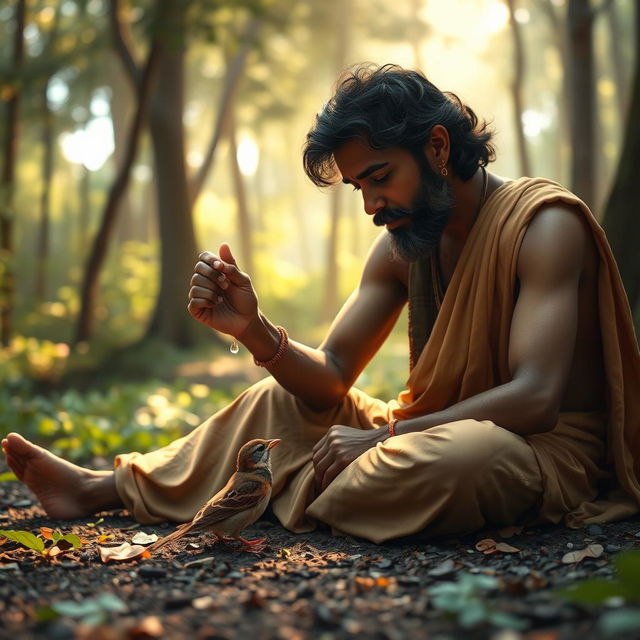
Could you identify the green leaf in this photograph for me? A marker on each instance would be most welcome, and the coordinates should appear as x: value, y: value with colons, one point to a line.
x: 55, y: 536
x: 25, y: 538
x: 621, y: 622
x: 507, y: 621
x: 627, y: 566
x: 73, y: 540
x: 472, y: 614
x: 595, y: 591
x: 8, y: 476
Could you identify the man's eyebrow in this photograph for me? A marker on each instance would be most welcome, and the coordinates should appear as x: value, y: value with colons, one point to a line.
x: 367, y: 172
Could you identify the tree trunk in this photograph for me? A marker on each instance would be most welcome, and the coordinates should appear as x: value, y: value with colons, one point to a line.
x: 95, y: 262
x: 7, y: 184
x: 44, y: 228
x: 517, y: 83
x: 617, y: 61
x: 235, y: 70
x: 331, y: 287
x: 245, y: 234
x: 563, y: 136
x: 178, y: 253
x: 121, y: 104
x: 621, y: 220
x: 582, y: 106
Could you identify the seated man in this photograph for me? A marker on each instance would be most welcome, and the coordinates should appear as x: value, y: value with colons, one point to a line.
x: 523, y: 400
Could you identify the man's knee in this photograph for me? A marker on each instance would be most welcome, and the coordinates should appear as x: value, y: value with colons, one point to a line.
x: 466, y: 449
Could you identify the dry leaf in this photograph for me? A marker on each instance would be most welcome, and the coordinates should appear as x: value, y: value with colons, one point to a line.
x: 489, y: 545
x: 125, y: 551
x: 46, y: 533
x: 103, y: 537
x: 590, y: 551
x: 149, y: 627
x: 144, y: 538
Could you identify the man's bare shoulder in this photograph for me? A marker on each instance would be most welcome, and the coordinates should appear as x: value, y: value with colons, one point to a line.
x: 557, y: 235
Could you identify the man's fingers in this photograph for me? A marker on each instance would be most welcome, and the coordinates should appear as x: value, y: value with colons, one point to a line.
x: 204, y: 293
x: 226, y: 255
x: 330, y: 475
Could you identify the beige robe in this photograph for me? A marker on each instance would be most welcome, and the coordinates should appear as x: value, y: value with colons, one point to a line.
x: 453, y: 478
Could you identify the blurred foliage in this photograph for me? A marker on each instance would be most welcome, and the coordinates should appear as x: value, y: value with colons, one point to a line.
x: 128, y: 417
x: 620, y: 594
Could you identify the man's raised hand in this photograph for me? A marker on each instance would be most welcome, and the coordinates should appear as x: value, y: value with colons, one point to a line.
x: 221, y: 296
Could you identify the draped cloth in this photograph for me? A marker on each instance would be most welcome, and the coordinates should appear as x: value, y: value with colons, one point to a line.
x: 452, y: 478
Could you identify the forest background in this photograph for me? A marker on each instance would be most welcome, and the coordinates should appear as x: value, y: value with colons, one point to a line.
x: 136, y: 134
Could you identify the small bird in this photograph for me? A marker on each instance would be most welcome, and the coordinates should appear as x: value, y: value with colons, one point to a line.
x: 239, y: 503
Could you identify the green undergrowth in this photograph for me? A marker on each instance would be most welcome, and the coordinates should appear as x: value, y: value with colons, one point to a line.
x: 120, y: 418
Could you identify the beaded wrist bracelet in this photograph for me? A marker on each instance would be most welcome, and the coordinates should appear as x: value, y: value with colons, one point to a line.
x: 282, y: 349
x: 391, y: 427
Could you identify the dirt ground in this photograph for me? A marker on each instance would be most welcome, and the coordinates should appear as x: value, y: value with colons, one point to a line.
x: 301, y: 586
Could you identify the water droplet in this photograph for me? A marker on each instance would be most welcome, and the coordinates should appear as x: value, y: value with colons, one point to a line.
x: 234, y: 347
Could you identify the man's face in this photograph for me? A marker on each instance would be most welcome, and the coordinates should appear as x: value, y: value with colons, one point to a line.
x: 400, y: 192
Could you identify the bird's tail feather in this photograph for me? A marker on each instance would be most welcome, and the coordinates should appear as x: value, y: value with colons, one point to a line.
x: 178, y: 533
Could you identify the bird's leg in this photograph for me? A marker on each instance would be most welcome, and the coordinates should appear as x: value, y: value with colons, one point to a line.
x: 251, y: 542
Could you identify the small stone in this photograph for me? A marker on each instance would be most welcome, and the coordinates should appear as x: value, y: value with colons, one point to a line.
x: 595, y: 530
x: 22, y: 503
x: 569, y: 545
x: 152, y: 572
x: 613, y: 548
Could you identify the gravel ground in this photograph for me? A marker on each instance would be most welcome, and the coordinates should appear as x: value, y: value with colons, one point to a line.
x: 301, y: 586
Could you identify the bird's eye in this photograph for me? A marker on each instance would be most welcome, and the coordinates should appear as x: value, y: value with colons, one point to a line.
x: 260, y: 447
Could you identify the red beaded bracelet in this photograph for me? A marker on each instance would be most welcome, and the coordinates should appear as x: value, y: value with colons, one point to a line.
x: 282, y: 349
x: 391, y: 427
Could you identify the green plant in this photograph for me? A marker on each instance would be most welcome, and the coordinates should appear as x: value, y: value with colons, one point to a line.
x: 465, y: 600
x: 92, y: 611
x: 622, y: 589
x: 61, y: 542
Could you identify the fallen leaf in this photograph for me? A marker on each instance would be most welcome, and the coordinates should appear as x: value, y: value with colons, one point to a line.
x: 125, y: 551
x: 103, y: 537
x: 149, y: 627
x: 489, y: 545
x: 590, y: 551
x: 144, y: 538
x: 46, y: 533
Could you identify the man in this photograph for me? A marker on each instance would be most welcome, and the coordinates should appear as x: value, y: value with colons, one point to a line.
x: 522, y: 404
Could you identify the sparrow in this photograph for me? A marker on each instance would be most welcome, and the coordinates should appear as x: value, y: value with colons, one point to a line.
x: 239, y: 503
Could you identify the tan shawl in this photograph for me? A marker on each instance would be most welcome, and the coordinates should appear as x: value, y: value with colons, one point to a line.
x: 467, y: 353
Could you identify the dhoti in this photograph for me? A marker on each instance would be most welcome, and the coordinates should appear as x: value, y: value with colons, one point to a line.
x: 454, y: 478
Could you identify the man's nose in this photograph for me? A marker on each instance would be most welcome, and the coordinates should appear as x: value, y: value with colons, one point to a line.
x: 372, y: 203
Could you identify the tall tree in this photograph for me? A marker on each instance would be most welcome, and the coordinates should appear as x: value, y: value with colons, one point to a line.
x: 621, y: 220
x: 98, y: 253
x: 7, y: 180
x: 580, y: 79
x: 331, y: 286
x: 517, y: 86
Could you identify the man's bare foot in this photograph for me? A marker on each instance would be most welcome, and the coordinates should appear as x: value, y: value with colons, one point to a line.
x: 65, y: 490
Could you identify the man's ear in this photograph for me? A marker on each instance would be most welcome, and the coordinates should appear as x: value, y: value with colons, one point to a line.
x: 437, y: 148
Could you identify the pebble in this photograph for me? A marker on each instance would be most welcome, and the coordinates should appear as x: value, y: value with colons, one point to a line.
x: 595, y: 530
x: 613, y: 548
x: 152, y: 572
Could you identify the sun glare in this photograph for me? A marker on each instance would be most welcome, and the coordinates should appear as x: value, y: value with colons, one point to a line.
x: 248, y: 156
x: 91, y: 146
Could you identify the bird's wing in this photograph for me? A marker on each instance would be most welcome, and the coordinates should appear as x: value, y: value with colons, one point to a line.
x: 243, y: 493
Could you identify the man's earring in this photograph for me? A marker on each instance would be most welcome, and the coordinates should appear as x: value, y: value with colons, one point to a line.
x: 443, y: 170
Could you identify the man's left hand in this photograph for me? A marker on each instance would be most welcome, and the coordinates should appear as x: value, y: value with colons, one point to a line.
x: 339, y: 447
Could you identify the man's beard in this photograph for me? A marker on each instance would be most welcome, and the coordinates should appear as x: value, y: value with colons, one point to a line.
x: 428, y: 217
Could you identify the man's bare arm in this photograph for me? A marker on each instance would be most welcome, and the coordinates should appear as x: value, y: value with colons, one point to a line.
x: 321, y: 377
x: 543, y: 331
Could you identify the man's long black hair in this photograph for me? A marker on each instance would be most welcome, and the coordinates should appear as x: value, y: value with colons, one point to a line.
x: 390, y: 106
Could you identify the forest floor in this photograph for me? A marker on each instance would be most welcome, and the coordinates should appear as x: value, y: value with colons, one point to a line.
x: 301, y: 586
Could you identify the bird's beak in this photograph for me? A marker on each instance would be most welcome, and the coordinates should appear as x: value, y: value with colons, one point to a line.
x: 273, y: 443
